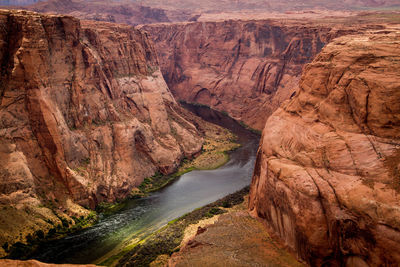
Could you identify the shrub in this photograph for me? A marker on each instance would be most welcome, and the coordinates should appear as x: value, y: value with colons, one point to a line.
x: 39, y: 234
x: 5, y: 246
x: 19, y: 251
x: 29, y: 239
x: 51, y: 232
x: 64, y: 222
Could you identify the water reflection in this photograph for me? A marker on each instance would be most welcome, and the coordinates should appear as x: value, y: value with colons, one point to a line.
x: 143, y: 216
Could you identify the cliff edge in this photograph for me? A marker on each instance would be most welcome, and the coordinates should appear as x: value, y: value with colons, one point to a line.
x: 327, y: 174
x: 85, y: 116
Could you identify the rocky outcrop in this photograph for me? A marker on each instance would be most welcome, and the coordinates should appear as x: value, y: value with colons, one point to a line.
x: 253, y: 6
x: 193, y: 10
x: 234, y: 239
x: 85, y: 116
x: 110, y: 11
x: 245, y: 68
x: 327, y: 172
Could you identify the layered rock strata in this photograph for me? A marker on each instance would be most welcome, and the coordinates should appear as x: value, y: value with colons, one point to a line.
x: 327, y: 172
x: 126, y: 12
x: 241, y: 67
x: 85, y: 116
x: 251, y: 6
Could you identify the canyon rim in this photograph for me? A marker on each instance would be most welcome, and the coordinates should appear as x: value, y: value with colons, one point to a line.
x: 106, y: 107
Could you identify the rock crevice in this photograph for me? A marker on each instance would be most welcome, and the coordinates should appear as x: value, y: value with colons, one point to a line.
x: 85, y: 116
x: 324, y: 176
x: 252, y: 69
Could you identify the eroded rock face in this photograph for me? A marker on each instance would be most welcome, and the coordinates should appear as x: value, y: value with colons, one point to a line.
x: 85, y: 116
x: 245, y: 68
x: 327, y: 171
x: 235, y: 239
x: 110, y: 11
x: 209, y: 6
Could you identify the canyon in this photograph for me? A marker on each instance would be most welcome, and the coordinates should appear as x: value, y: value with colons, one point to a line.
x: 246, y: 68
x: 327, y: 172
x: 89, y: 114
x: 110, y: 11
x: 85, y: 117
x: 150, y: 11
x: 257, y: 63
x: 209, y: 6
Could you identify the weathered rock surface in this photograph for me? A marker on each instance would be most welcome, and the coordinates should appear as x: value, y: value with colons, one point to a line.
x: 149, y: 11
x: 327, y: 171
x: 100, y: 10
x: 85, y: 116
x: 245, y: 68
x: 235, y: 239
x: 210, y: 6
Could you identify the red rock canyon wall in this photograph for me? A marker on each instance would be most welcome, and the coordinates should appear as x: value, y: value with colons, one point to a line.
x: 246, y: 68
x: 85, y: 116
x: 327, y: 172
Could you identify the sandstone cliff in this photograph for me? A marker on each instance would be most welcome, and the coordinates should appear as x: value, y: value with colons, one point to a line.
x: 100, y: 10
x: 85, y: 116
x: 150, y: 11
x: 327, y: 172
x: 245, y: 68
x: 210, y: 6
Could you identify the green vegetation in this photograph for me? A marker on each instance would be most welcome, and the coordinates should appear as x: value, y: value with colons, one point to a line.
x: 110, y: 208
x: 258, y: 132
x: 194, y: 104
x: 157, y: 181
x: 151, y: 69
x: 206, y: 161
x: 23, y: 251
x: 5, y: 246
x: 214, y: 154
x: 168, y: 239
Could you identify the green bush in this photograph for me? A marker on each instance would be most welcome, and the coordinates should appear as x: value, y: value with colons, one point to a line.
x: 65, y: 222
x: 19, y: 251
x: 51, y: 232
x: 213, y: 211
x: 39, y: 234
x: 226, y: 204
x: 30, y: 239
x: 5, y: 246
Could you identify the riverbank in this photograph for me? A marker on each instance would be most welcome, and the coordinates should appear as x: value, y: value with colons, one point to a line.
x: 222, y: 232
x: 218, y: 142
x: 23, y: 251
x: 233, y: 239
x: 135, y: 219
x: 168, y: 239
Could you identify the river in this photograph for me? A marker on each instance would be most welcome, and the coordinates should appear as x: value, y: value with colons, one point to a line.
x: 141, y: 217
